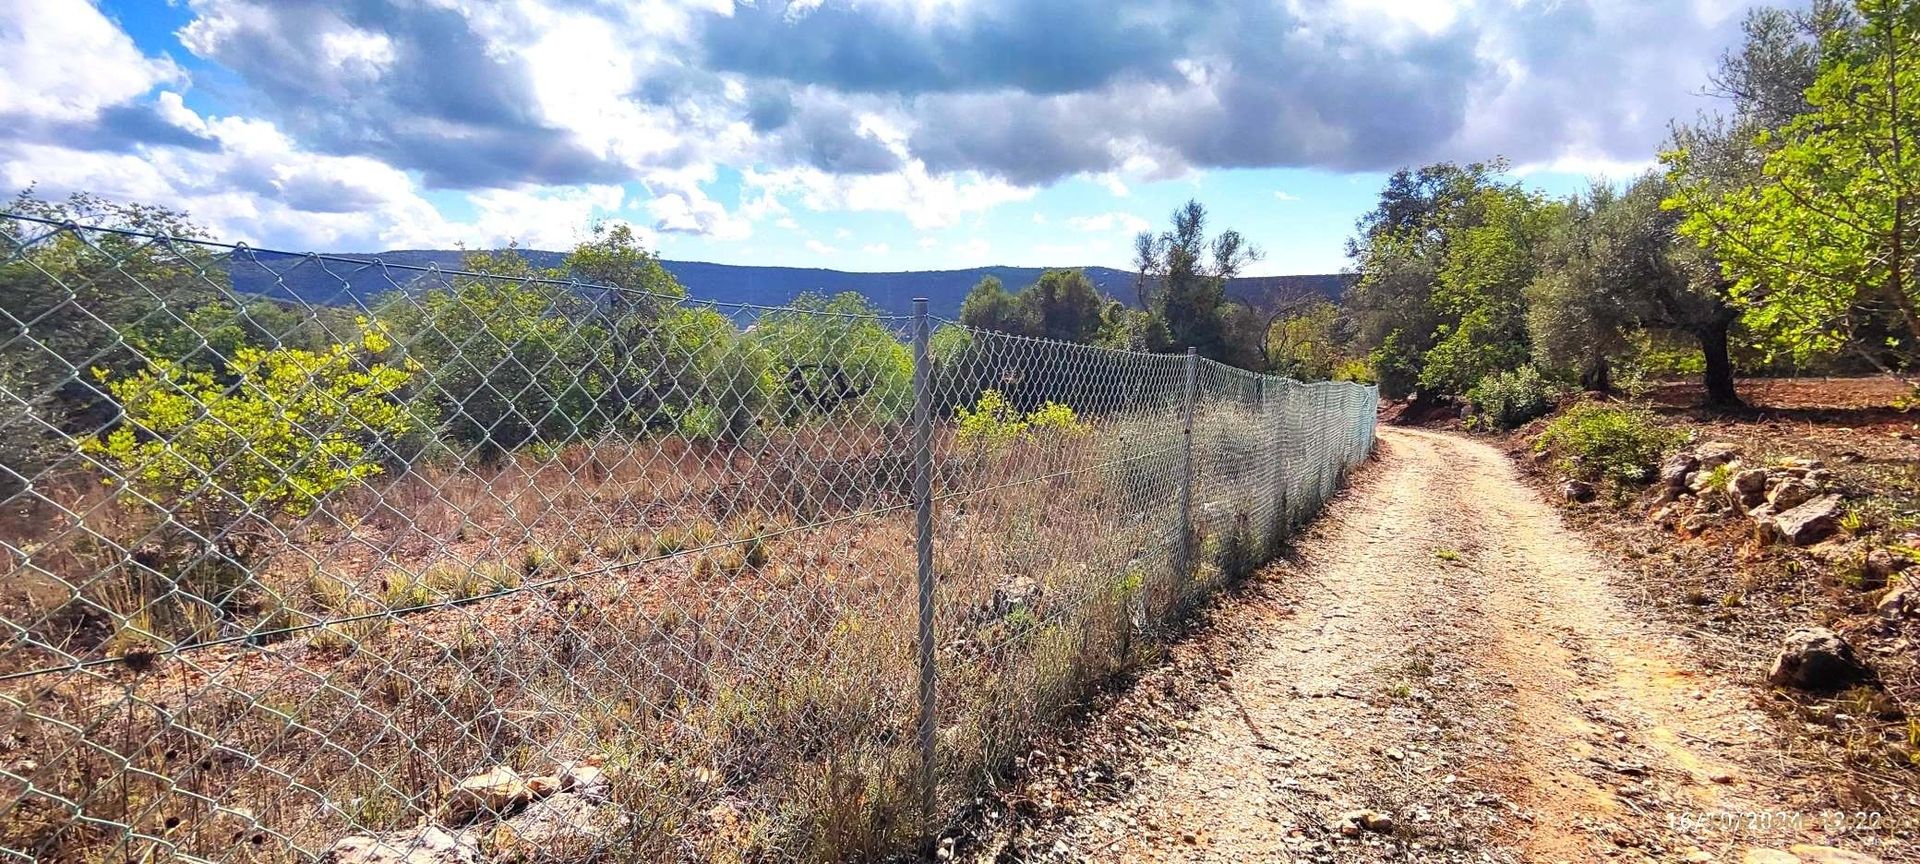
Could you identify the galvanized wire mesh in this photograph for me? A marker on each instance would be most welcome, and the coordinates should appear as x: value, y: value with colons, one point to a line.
x: 308, y: 556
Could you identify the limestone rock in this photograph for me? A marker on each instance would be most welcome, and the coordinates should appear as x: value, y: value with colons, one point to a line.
x: 1676, y: 468
x: 1698, y: 522
x: 1016, y: 594
x: 565, y: 826
x: 427, y: 845
x: 1791, y: 493
x: 497, y: 792
x: 585, y: 777
x: 1900, y: 601
x: 1881, y: 564
x: 1815, y: 658
x: 1748, y: 482
x: 1713, y: 454
x: 1805, y: 524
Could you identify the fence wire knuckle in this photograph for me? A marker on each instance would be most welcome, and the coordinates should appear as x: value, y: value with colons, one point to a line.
x: 311, y: 557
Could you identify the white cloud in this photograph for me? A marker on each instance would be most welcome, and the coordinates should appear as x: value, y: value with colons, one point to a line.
x: 970, y: 252
x: 819, y: 248
x: 926, y: 200
x: 1589, y: 165
x: 1112, y: 183
x: 63, y: 60
x: 1284, y: 195
x: 681, y: 206
x: 876, y: 249
x: 1105, y: 222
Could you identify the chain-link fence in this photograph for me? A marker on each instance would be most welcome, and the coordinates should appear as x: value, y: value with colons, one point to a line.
x: 314, y: 557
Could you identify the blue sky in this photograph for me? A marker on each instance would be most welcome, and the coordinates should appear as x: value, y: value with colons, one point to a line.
x: 851, y: 134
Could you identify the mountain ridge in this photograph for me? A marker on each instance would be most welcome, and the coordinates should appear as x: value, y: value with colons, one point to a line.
x: 334, y: 280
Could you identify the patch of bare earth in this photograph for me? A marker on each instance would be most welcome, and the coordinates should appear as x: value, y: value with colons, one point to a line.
x: 1442, y: 672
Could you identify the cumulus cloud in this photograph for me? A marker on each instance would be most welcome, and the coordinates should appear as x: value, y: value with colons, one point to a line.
x: 935, y: 111
x: 990, y: 86
x: 1110, y: 222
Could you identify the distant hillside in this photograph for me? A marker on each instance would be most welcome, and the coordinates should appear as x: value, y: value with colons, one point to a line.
x: 335, y: 282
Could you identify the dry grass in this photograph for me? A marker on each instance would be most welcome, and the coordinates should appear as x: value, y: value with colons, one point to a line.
x: 732, y: 627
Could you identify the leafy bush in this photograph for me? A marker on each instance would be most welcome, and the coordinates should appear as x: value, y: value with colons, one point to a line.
x: 836, y: 355
x: 282, y: 430
x: 1054, y: 418
x: 715, y: 383
x: 994, y: 421
x: 1356, y: 370
x: 1610, y: 443
x: 509, y: 361
x: 1396, y: 366
x: 1507, y: 399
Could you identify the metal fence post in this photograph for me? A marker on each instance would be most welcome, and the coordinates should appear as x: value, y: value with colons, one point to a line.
x: 923, y: 542
x: 1186, y: 467
x: 1277, y: 458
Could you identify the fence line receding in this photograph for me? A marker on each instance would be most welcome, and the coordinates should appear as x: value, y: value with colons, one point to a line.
x: 510, y: 566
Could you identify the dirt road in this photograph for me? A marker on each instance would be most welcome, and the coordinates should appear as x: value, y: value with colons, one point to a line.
x: 1462, y: 666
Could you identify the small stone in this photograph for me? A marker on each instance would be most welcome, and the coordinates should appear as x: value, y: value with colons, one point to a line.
x: 1900, y: 601
x: 1015, y: 594
x: 1881, y: 564
x: 1792, y: 493
x: 1351, y: 823
x: 496, y: 792
x: 1713, y: 454
x: 427, y: 845
x: 1577, y: 491
x: 1748, y: 482
x: 1815, y: 658
x: 1674, y: 469
x: 1695, y: 524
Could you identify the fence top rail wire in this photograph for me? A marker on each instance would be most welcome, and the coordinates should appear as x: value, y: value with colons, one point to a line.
x: 1206, y: 362
x: 375, y: 262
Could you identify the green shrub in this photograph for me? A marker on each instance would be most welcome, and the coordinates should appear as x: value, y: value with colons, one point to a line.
x: 1507, y: 399
x: 1356, y: 370
x: 1607, y: 443
x: 993, y: 421
x: 224, y: 452
x: 1396, y: 366
x: 1054, y: 418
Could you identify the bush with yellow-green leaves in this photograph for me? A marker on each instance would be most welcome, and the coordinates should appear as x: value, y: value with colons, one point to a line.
x: 227, y: 454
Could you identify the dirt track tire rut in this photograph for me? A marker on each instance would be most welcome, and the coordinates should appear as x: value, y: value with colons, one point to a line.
x: 1459, y: 661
